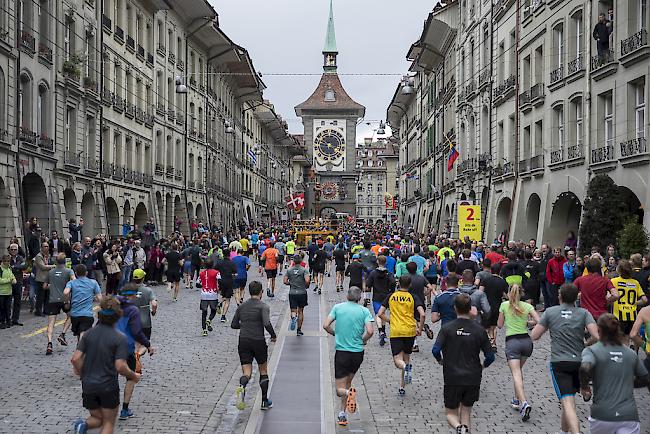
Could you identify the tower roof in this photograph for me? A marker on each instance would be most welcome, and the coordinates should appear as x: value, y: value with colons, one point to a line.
x: 330, y: 38
x: 341, y: 100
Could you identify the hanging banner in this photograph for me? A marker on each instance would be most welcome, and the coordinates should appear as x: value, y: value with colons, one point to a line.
x: 469, y: 222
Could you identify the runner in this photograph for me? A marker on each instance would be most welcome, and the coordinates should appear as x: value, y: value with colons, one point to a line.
x: 269, y: 258
x: 382, y: 284
x: 420, y: 289
x: 297, y: 278
x: 291, y: 250
x: 339, y: 260
x: 515, y: 315
x: 328, y: 247
x: 352, y: 330
x: 566, y: 323
x: 460, y: 341
x: 355, y: 272
x: 442, y: 307
x: 82, y: 291
x: 174, y: 261
x: 146, y: 302
x: 282, y: 252
x: 613, y: 368
x: 99, y: 358
x: 495, y: 288
x: 129, y: 324
x: 251, y: 319
x: 630, y: 296
x: 227, y: 270
x: 319, y: 260
x: 596, y: 291
x: 41, y: 266
x: 209, y: 298
x: 242, y: 264
x: 55, y: 283
x: 642, y: 325
x: 403, y: 307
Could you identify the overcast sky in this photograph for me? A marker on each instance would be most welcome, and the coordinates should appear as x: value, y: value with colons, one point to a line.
x: 287, y: 36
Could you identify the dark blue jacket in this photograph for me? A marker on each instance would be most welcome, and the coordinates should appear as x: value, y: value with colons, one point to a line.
x: 129, y: 324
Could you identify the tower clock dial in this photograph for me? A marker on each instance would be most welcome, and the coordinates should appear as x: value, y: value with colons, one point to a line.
x: 329, y: 145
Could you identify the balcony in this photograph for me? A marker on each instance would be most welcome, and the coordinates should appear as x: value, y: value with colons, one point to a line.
x: 107, y: 24
x: 139, y: 115
x: 524, y: 100
x: 27, y: 136
x: 72, y: 160
x: 180, y: 65
x: 45, y: 142
x: 485, y: 79
x: 171, y: 58
x: 129, y: 176
x: 119, y: 104
x: 193, y: 133
x: 119, y: 34
x: 179, y: 120
x: 159, y: 169
x: 503, y: 91
x: 92, y: 165
x: 557, y: 156
x: 148, y: 120
x: 171, y: 114
x: 635, y: 48
x: 575, y: 66
x: 634, y: 152
x: 537, y: 94
x: 603, y: 156
x: 138, y: 178
x: 118, y: 172
x: 130, y: 43
x: 107, y: 169
x: 193, y: 82
x: 149, y: 59
x: 470, y: 89
x: 129, y: 112
x: 467, y: 166
x: 170, y: 171
x: 603, y: 65
x: 179, y: 174
x: 27, y: 41
x: 160, y: 109
x: 536, y: 164
x: 199, y: 186
x: 557, y: 75
x: 161, y: 49
x: 90, y: 85
x: 107, y: 97
x: 140, y: 53
x: 147, y: 180
x: 45, y: 53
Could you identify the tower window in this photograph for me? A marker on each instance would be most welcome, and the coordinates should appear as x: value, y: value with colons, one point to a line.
x: 329, y: 95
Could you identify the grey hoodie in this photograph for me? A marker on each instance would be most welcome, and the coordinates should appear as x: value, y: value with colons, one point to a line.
x: 479, y: 300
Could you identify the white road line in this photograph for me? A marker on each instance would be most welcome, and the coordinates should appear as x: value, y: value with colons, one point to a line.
x: 327, y: 399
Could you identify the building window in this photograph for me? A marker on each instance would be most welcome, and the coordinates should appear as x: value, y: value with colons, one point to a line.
x: 579, y: 33
x: 609, y: 120
x: 558, y: 113
x: 330, y: 96
x: 68, y: 38
x: 90, y: 137
x: 576, y: 114
x: 25, y: 102
x: 643, y: 9
x: 42, y: 111
x: 639, y: 110
x: 558, y: 35
x: 69, y: 133
x: 2, y: 101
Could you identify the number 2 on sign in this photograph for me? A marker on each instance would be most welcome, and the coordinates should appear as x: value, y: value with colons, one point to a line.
x: 470, y: 214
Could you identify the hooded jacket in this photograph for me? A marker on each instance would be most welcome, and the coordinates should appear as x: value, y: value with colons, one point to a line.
x: 130, y: 325
x: 479, y: 299
x: 381, y: 282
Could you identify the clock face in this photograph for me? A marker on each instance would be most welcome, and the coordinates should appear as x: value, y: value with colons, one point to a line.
x: 329, y: 145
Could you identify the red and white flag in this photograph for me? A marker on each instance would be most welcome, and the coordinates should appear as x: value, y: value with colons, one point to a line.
x: 296, y: 201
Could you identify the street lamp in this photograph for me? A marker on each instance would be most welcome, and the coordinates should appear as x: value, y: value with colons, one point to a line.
x: 228, y: 126
x: 407, y: 85
x: 382, y: 128
x: 180, y: 87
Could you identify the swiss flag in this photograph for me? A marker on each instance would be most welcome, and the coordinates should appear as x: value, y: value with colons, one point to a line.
x: 296, y: 201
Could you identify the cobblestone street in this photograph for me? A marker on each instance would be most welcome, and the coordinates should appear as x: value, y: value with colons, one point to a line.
x: 189, y: 384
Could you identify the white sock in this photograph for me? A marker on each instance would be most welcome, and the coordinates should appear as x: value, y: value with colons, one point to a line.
x: 341, y: 413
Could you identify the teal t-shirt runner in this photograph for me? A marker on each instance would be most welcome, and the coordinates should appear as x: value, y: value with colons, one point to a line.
x: 351, y: 319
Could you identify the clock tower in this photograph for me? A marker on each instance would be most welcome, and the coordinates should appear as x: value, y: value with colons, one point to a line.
x: 330, y: 117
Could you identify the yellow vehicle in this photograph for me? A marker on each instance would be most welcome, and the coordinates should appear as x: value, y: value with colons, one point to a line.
x: 306, y: 230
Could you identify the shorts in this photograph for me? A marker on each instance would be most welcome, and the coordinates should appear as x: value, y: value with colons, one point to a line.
x: 187, y: 267
x: 518, y: 347
x: 433, y: 280
x: 457, y: 395
x: 340, y: 268
x: 147, y: 332
x: 566, y: 378
x: 173, y: 276
x: 271, y: 274
x: 109, y: 399
x: 297, y: 301
x: 606, y: 427
x: 319, y: 269
x: 346, y: 363
x: 401, y: 345
x: 280, y: 259
x: 131, y: 362
x: 239, y: 283
x: 209, y: 303
x: 261, y: 261
x: 225, y: 288
x: 626, y: 326
x: 250, y: 349
x: 81, y: 324
x: 376, y: 305
x: 54, y: 308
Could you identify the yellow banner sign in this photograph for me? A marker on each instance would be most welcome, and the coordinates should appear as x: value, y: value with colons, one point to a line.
x: 469, y: 222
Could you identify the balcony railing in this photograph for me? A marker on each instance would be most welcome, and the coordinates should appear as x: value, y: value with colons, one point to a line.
x: 130, y: 43
x: 26, y: 135
x: 149, y: 59
x: 524, y: 98
x: 106, y: 23
x: 536, y: 163
x: 119, y: 104
x: 557, y: 156
x: 72, y: 158
x: 118, y: 172
x: 199, y: 186
x: 160, y: 109
x: 107, y: 97
x: 107, y: 169
x: 575, y: 152
x: 148, y: 120
x: 602, y: 154
x: 634, y: 42
x: 159, y: 168
x: 140, y: 53
x: 537, y: 91
x: 557, y: 74
x: 170, y: 171
x: 524, y: 166
x: 119, y: 34
x: 45, y: 53
x: 45, y: 142
x: 129, y: 175
x: 633, y: 147
x: 171, y: 114
x: 27, y: 41
x: 139, y: 115
x: 171, y: 58
x: 575, y: 65
x: 470, y: 89
x: 485, y: 77
x: 138, y: 178
x: 161, y: 49
x: 179, y: 174
x: 180, y: 65
x: 147, y: 180
x: 504, y: 87
x: 129, y: 112
x: 92, y: 164
x: 598, y: 61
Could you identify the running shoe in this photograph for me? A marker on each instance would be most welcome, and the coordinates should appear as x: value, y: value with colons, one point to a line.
x: 342, y: 420
x: 319, y: 291
x: 516, y: 405
x: 525, y: 412
x: 208, y: 324
x: 294, y: 321
x: 80, y: 426
x: 223, y: 318
x: 174, y: 299
x: 351, y: 402
x: 408, y: 373
x: 204, y: 333
x: 48, y: 351
x: 315, y: 288
x: 416, y: 348
x: 401, y: 391
x: 266, y: 404
x: 299, y: 333
x: 62, y: 340
x: 382, y: 339
x: 428, y: 331
x: 462, y: 429
x: 125, y: 414
x: 241, y: 395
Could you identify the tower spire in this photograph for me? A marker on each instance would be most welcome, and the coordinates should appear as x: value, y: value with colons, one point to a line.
x: 330, y: 51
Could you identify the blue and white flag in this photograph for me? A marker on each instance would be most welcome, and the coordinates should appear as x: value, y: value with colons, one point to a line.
x: 251, y: 154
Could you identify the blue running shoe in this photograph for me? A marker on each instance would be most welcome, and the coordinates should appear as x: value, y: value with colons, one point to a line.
x: 266, y: 404
x: 408, y: 373
x: 294, y: 321
x: 525, y: 412
x: 125, y: 414
x: 516, y: 405
x: 401, y: 392
x: 80, y: 426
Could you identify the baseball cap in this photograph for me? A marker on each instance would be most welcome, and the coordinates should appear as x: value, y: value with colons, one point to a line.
x: 355, y: 256
x: 139, y: 274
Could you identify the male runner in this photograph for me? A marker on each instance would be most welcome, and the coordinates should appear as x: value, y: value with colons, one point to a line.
x: 291, y: 250
x: 55, y: 283
x: 339, y: 255
x: 251, y: 319
x: 174, y: 261
x: 270, y: 258
x: 147, y: 303
x: 382, y: 284
x: 82, y: 292
x: 355, y: 271
x: 282, y: 253
x: 209, y: 297
x: 329, y: 250
x: 242, y: 264
x: 227, y: 272
x: 319, y: 260
x: 566, y: 323
x: 352, y: 331
x: 460, y: 341
x: 403, y: 307
x: 297, y: 278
